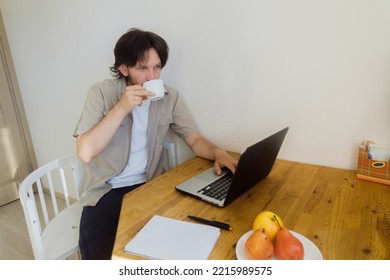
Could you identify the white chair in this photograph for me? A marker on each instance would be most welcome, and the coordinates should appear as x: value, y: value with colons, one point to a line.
x: 53, y: 229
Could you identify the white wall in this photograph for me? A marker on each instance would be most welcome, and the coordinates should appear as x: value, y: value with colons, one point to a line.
x: 246, y: 68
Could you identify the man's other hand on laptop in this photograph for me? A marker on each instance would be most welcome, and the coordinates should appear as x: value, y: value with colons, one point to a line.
x: 223, y: 159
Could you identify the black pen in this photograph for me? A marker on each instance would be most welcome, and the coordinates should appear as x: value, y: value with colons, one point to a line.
x: 212, y: 223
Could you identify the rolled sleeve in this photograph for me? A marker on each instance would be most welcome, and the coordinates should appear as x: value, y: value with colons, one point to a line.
x: 183, y: 122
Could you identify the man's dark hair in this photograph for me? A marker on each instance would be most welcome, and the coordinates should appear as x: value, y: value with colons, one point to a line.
x: 133, y: 46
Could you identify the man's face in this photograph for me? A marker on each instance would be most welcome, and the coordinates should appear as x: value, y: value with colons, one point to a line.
x: 148, y: 69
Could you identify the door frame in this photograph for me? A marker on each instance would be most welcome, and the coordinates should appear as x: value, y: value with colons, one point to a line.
x: 14, y: 113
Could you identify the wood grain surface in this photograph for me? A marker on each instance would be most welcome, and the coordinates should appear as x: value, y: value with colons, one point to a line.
x: 346, y: 218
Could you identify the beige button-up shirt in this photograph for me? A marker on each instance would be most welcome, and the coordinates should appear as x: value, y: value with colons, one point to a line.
x: 169, y: 112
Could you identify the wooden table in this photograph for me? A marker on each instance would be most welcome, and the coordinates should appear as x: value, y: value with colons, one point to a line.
x: 346, y: 218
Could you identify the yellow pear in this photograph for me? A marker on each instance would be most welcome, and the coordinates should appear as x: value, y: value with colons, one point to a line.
x: 269, y: 221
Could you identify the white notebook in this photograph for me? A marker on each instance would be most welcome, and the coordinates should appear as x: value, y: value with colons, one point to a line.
x: 169, y: 239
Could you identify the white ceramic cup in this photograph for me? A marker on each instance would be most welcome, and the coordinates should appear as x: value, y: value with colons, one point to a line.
x: 156, y: 86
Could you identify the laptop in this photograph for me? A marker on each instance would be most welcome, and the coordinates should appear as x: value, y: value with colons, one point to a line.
x: 254, y: 165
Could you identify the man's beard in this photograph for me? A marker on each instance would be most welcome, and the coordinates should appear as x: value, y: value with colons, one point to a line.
x: 130, y: 81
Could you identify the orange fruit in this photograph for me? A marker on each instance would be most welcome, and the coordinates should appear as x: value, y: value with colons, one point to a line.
x: 287, y: 246
x: 259, y: 246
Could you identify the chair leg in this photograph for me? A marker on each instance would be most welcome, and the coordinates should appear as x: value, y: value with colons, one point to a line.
x: 78, y: 255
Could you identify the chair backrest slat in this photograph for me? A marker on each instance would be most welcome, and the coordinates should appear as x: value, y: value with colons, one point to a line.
x: 77, y: 177
x: 42, y: 201
x: 52, y: 192
x: 64, y: 186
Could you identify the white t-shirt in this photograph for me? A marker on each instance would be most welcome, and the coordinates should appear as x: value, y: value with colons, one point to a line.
x: 135, y: 171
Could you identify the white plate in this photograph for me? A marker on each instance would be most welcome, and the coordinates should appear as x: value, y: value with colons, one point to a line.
x: 311, y: 250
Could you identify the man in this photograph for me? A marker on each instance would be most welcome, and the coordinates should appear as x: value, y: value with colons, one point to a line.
x: 120, y: 137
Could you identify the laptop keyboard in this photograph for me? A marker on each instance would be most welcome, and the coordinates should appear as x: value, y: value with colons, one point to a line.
x: 219, y: 188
